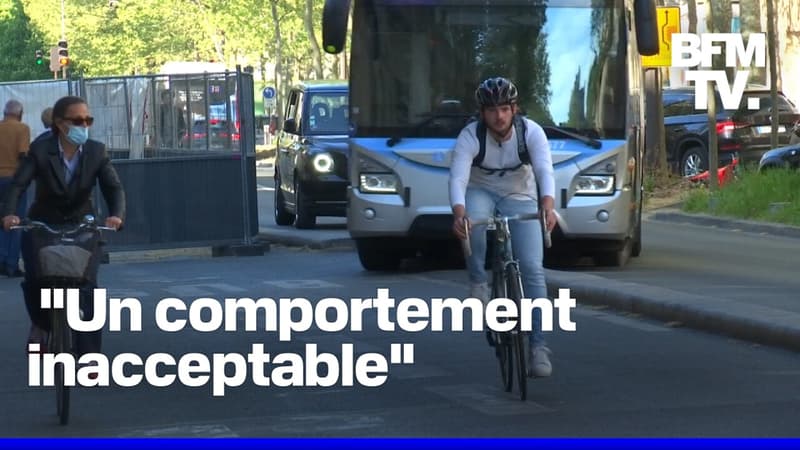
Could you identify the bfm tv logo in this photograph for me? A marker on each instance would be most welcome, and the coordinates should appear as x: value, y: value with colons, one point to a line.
x: 691, y: 50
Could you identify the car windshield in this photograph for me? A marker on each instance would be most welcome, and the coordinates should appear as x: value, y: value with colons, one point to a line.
x: 328, y: 113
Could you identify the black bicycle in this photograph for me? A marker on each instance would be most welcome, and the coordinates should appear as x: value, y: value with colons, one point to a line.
x: 64, y: 255
x: 511, y: 345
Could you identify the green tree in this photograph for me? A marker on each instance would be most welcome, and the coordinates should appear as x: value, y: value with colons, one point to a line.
x: 19, y: 41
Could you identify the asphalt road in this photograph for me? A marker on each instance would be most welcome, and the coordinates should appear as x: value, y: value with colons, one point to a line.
x: 616, y: 375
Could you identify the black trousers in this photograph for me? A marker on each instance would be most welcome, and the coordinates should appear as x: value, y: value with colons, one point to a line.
x: 86, y: 342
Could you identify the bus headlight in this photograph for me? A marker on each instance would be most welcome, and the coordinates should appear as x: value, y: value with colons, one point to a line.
x: 378, y: 183
x: 322, y: 162
x: 598, y: 179
x: 376, y: 178
x: 594, y: 185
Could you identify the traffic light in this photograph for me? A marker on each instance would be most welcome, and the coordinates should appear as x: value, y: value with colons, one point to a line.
x: 39, y: 58
x: 63, y: 54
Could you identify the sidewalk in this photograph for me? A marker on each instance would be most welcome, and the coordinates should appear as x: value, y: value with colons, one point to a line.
x: 777, y: 324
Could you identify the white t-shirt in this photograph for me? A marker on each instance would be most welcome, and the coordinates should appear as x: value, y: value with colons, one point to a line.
x: 499, y: 156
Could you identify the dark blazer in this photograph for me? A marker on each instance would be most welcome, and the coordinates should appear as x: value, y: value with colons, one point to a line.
x: 56, y: 202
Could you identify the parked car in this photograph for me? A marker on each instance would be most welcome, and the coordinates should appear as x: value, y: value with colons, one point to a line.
x: 741, y: 133
x: 781, y: 157
x: 311, y: 161
x: 212, y: 133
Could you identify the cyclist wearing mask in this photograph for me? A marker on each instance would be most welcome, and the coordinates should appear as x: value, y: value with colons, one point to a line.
x: 66, y: 166
x: 499, y: 173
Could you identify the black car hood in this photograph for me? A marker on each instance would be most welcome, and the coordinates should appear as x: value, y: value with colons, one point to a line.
x: 337, y: 144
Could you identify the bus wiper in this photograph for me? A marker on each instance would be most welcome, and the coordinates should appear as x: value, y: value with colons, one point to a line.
x: 392, y: 141
x: 591, y: 142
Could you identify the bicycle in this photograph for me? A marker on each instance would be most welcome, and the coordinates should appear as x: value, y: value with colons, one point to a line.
x: 63, y: 257
x: 507, y: 283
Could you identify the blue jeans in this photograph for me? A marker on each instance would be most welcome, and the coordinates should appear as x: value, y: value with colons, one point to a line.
x: 10, y: 240
x: 526, y: 243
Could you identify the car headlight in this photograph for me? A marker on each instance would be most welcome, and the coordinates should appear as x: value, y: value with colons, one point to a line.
x: 322, y: 162
x: 598, y: 179
x: 375, y: 178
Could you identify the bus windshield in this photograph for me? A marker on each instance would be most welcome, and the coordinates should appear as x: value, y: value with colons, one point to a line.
x: 419, y: 61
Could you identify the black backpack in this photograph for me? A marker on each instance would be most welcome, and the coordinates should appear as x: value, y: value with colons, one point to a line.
x: 522, y: 146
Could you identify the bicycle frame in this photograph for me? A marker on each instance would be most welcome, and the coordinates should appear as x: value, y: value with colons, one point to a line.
x: 507, y: 283
x: 66, y: 246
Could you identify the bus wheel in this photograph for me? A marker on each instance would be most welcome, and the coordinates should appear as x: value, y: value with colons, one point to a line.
x: 636, y: 250
x: 617, y: 258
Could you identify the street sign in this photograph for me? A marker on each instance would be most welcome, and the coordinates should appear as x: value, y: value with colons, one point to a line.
x: 269, y: 97
x: 669, y: 22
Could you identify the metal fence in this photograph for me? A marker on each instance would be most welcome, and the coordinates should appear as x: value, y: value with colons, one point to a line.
x: 184, y: 147
x: 155, y: 116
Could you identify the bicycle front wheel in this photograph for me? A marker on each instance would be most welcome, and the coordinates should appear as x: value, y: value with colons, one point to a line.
x: 514, y: 287
x: 502, y: 341
x: 61, y: 342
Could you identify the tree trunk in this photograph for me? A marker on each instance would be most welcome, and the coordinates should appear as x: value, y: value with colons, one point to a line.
x: 308, y: 18
x: 692, y: 9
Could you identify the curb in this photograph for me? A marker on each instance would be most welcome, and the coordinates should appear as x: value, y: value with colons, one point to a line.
x: 732, y: 318
x: 289, y: 240
x: 674, y: 215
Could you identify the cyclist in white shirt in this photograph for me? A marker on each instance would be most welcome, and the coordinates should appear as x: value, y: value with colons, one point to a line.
x: 504, y: 172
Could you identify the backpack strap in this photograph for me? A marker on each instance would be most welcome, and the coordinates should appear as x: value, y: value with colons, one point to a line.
x: 522, y: 146
x: 480, y: 132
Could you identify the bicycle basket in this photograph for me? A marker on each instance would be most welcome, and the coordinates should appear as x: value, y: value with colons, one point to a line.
x: 66, y: 256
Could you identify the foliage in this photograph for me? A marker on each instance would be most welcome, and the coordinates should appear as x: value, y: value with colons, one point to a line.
x: 772, y: 196
x: 124, y: 37
x: 18, y: 44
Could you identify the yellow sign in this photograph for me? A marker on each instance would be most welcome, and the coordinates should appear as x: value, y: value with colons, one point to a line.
x: 669, y: 22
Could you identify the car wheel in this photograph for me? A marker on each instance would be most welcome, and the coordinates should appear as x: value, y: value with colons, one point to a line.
x: 282, y: 216
x: 380, y: 253
x: 694, y: 161
x: 303, y: 217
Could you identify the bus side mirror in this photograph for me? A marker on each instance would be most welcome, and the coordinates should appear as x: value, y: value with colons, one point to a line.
x: 334, y: 25
x: 644, y: 12
x: 290, y: 126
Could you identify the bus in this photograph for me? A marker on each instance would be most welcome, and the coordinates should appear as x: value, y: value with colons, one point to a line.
x: 414, y: 67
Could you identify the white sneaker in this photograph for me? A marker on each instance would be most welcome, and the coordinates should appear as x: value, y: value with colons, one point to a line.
x: 480, y: 291
x: 539, y: 362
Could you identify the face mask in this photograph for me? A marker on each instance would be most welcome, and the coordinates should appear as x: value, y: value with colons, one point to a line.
x: 78, y: 135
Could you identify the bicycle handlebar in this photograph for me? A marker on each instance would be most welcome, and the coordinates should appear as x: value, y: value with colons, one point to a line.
x: 37, y: 225
x: 465, y: 243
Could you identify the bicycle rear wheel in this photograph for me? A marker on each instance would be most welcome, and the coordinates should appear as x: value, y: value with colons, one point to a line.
x: 61, y: 342
x: 502, y: 343
x: 514, y: 287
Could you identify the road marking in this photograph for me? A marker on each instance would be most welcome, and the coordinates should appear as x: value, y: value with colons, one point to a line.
x: 197, y: 431
x: 127, y: 293
x: 318, y: 424
x: 417, y: 371
x: 489, y: 400
x: 265, y: 188
x: 303, y: 284
x: 202, y: 289
x: 628, y: 322
x: 332, y: 343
